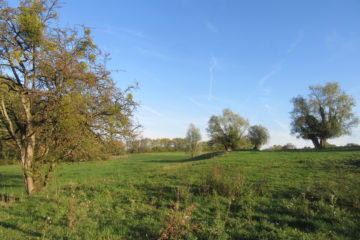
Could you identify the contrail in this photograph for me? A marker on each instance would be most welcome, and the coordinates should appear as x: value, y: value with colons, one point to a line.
x: 213, y: 65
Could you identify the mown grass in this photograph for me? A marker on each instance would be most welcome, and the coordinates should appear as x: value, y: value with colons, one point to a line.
x: 238, y: 195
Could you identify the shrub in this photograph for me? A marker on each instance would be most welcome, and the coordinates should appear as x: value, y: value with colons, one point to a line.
x: 219, y: 181
x: 178, y: 223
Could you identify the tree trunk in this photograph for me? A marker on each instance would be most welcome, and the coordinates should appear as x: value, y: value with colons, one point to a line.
x: 323, y: 143
x: 316, y: 143
x: 28, y: 145
x: 47, y: 176
x: 26, y: 162
x: 228, y: 148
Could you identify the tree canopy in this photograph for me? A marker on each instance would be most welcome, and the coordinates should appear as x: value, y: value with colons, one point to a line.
x: 326, y: 113
x: 258, y: 136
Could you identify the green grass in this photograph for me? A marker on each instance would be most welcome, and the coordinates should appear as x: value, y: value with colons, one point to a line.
x: 239, y: 195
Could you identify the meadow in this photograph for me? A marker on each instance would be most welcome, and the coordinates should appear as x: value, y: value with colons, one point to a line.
x: 237, y: 195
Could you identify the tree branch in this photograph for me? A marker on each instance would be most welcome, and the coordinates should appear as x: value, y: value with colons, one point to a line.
x: 7, y: 122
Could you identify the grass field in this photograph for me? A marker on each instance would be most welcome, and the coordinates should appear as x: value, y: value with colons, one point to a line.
x: 238, y: 195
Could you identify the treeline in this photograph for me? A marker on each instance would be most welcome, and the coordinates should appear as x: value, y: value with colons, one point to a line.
x: 148, y: 145
x: 114, y: 147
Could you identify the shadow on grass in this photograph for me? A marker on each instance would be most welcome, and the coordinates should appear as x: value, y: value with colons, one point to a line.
x: 198, y: 158
x: 16, y: 228
x: 330, y: 149
x: 10, y: 181
x: 353, y: 162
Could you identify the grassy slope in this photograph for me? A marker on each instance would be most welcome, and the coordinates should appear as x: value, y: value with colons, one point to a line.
x: 254, y: 195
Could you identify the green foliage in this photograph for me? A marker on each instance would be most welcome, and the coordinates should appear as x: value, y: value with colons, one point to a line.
x: 227, y: 129
x: 31, y: 25
x: 8, y: 152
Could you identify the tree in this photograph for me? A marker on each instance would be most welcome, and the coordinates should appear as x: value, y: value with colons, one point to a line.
x: 227, y: 129
x: 289, y: 146
x: 57, y: 100
x: 193, y: 138
x: 258, y: 136
x: 326, y: 113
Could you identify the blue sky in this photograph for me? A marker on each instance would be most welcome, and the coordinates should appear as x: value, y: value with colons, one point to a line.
x: 194, y: 58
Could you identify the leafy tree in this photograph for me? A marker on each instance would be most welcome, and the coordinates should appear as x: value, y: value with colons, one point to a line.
x: 258, y: 136
x: 57, y: 100
x: 193, y: 138
x: 326, y: 113
x: 289, y: 146
x: 227, y: 129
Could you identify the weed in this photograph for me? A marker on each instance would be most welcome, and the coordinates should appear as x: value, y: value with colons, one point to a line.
x: 71, y: 209
x: 220, y: 181
x: 178, y: 223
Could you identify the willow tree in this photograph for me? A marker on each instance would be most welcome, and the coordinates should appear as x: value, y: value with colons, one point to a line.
x: 258, y: 136
x: 326, y: 113
x: 57, y: 100
x: 227, y: 129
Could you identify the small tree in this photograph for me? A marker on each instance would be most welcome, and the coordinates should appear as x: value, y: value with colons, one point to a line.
x: 193, y: 138
x: 326, y: 113
x: 227, y: 129
x: 258, y: 136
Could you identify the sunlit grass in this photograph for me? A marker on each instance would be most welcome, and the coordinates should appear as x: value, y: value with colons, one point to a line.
x: 238, y: 195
